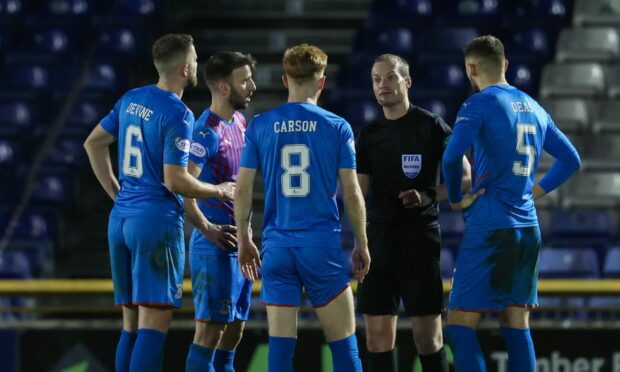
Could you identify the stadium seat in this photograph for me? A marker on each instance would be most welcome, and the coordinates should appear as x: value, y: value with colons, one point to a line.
x: 611, y: 267
x: 360, y: 112
x: 385, y: 39
x: 604, y: 153
x: 612, y: 74
x: 9, y: 153
x: 401, y: 12
x: 523, y: 76
x: 73, y: 8
x: 452, y: 228
x: 444, y: 45
x: 527, y: 44
x: 123, y: 41
x: 588, y: 45
x: 568, y: 263
x: 14, y: 265
x: 593, y: 190
x: 55, y: 41
x: 569, y: 114
x: 607, y: 119
x: 11, y: 8
x: 55, y: 188
x: 18, y: 114
x: 582, y: 227
x: 28, y: 76
x: 84, y: 116
x: 104, y: 76
x: 440, y: 80
x: 540, y: 12
x: 69, y: 152
x: 554, y: 307
x: 596, y: 12
x: 576, y: 80
x: 142, y: 8
x: 438, y: 107
x: 446, y: 263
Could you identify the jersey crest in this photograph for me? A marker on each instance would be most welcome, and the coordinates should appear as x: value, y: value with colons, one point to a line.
x: 411, y: 165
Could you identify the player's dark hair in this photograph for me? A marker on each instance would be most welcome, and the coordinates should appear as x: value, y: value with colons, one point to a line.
x: 169, y: 49
x: 488, y: 51
x: 399, y: 62
x: 222, y: 64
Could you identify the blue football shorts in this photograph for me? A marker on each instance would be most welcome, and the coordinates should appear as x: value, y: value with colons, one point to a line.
x: 320, y: 271
x: 221, y: 293
x: 496, y: 269
x: 148, y: 259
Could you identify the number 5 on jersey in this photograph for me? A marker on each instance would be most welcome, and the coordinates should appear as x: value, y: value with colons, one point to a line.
x: 530, y: 151
x: 296, y: 171
x: 132, y: 168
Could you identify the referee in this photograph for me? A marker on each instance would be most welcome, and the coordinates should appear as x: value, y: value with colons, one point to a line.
x: 398, y: 159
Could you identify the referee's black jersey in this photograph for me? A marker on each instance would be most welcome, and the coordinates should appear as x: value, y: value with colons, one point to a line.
x: 399, y: 155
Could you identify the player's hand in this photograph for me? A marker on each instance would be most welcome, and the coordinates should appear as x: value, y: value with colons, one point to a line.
x: 467, y: 201
x: 361, y: 262
x: 414, y: 199
x: 249, y: 259
x: 224, y: 236
x: 226, y: 191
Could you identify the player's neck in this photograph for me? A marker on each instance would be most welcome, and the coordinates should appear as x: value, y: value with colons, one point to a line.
x: 171, y: 86
x: 303, y: 98
x: 483, y: 84
x: 396, y: 111
x: 222, y: 109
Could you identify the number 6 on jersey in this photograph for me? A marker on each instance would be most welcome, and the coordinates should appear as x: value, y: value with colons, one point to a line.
x: 295, y: 171
x: 133, y: 131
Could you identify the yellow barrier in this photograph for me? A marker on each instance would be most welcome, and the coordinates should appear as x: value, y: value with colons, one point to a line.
x: 104, y: 286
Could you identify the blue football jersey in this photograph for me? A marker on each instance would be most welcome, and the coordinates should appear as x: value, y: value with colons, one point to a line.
x: 216, y: 149
x: 153, y: 127
x: 507, y: 131
x: 299, y: 147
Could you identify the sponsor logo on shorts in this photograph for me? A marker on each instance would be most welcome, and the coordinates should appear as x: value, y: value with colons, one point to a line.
x: 197, y: 149
x: 411, y: 165
x: 179, y: 292
x: 182, y: 144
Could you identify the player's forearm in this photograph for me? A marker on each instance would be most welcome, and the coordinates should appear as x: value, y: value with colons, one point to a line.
x: 243, y: 203
x: 194, y: 215
x: 188, y: 186
x: 356, y: 213
x: 452, y: 162
x: 99, y: 157
x: 560, y: 171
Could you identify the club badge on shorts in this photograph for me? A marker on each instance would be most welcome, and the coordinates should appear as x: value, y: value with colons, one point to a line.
x: 411, y: 164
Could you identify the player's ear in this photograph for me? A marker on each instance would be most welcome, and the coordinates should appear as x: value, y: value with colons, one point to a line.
x: 408, y: 82
x: 285, y: 81
x: 184, y: 70
x: 321, y: 82
x: 223, y: 88
x: 505, y: 65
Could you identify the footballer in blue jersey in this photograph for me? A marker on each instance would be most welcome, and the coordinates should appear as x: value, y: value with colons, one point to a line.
x: 302, y: 152
x: 497, y: 264
x: 221, y: 293
x: 145, y: 232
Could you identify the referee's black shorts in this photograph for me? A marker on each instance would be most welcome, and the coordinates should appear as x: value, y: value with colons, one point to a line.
x: 404, y: 265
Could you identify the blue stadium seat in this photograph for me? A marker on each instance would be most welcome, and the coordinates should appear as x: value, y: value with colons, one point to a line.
x: 9, y: 9
x: 611, y: 268
x: 104, y: 76
x: 443, y: 108
x: 17, y: 114
x: 402, y: 12
x: 452, y: 228
x: 468, y: 12
x: 32, y: 226
x: 568, y: 263
x: 541, y: 12
x: 386, y: 39
x: 582, y: 228
x: 121, y: 41
x: 444, y: 45
x: 440, y: 80
x: 524, y: 76
x: 142, y: 8
x: 84, y: 116
x: 14, y: 265
x: 54, y: 41
x: 69, y: 152
x: 9, y: 153
x: 360, y: 112
x: 72, y: 8
x: 527, y: 44
x: 446, y: 263
x: 28, y: 76
x: 55, y: 188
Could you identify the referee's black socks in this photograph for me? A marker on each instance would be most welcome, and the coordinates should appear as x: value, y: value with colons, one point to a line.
x: 435, y: 362
x: 381, y: 362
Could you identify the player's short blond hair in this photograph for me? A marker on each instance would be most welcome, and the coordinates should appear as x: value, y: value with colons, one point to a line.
x: 304, y: 63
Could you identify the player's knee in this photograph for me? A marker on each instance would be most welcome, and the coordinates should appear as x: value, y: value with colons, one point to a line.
x: 208, y: 334
x: 379, y: 340
x: 427, y: 342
